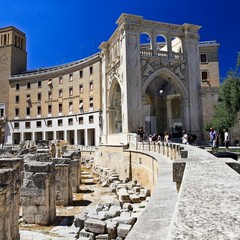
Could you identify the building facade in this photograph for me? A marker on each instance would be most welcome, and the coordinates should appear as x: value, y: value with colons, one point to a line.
x: 163, y: 84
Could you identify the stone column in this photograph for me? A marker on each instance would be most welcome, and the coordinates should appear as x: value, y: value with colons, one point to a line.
x: 63, y: 180
x: 38, y: 193
x: 169, y: 113
x: 10, y: 182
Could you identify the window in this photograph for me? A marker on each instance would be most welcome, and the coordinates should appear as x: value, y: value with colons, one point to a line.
x: 27, y: 124
x: 60, y: 107
x: 28, y: 98
x: 91, y: 102
x: 39, y: 110
x: 81, y: 105
x: 50, y: 83
x: 39, y: 84
x: 1, y: 112
x: 39, y: 124
x: 50, y: 95
x: 28, y: 85
x: 49, y: 123
x: 17, y: 99
x: 80, y: 88
x: 90, y: 119
x: 70, y: 121
x: 70, y: 77
x: 81, y: 73
x: 91, y: 86
x: 49, y: 109
x: 60, y: 122
x: 80, y: 120
x: 16, y: 125
x: 60, y: 80
x: 203, y: 58
x: 28, y: 111
x: 70, y: 106
x: 205, y: 76
x: 70, y: 91
x: 91, y: 70
x: 60, y: 93
x: 16, y: 112
x: 39, y: 97
x: 17, y: 86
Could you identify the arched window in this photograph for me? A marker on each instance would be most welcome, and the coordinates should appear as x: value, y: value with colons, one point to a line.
x: 176, y: 44
x: 161, y: 46
x: 145, y: 44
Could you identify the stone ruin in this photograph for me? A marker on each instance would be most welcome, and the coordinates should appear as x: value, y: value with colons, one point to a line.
x: 32, y: 177
x: 113, y: 220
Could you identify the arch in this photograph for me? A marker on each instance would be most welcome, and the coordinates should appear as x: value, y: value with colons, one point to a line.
x: 161, y: 42
x: 114, y: 108
x: 170, y: 77
x: 176, y: 45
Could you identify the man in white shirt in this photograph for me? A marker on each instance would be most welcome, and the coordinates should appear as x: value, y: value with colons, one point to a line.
x: 226, y: 139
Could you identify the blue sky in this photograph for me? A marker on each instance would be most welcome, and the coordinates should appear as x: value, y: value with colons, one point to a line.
x: 61, y: 31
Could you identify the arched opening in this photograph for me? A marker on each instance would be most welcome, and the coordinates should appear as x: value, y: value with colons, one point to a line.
x: 115, y: 108
x: 177, y: 49
x: 145, y: 44
x: 162, y: 107
x: 161, y: 45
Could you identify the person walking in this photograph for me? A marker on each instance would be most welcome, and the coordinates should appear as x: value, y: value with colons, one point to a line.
x: 226, y: 139
x: 213, y: 139
x: 185, y: 137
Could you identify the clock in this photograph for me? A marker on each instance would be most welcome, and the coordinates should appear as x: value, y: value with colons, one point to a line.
x: 3, y: 58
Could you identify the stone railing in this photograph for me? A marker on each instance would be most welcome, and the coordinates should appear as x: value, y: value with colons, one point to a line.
x: 194, y: 194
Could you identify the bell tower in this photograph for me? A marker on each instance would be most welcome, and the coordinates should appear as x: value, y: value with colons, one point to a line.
x: 13, y: 60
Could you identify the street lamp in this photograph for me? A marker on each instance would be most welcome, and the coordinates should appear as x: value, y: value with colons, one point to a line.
x: 161, y: 94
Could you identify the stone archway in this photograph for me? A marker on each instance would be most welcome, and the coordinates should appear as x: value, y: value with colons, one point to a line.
x: 115, y: 108
x: 163, y: 96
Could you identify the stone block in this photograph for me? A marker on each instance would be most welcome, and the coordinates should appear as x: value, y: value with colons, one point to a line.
x: 85, y: 234
x: 95, y: 226
x: 123, y: 230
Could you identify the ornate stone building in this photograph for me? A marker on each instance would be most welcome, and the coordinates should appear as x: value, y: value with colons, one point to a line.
x: 151, y: 74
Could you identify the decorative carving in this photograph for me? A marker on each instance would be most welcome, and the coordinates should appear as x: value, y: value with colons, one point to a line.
x: 150, y: 65
x: 3, y: 59
x: 113, y: 73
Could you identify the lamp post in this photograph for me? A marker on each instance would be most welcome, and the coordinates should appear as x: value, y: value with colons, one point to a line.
x: 161, y: 94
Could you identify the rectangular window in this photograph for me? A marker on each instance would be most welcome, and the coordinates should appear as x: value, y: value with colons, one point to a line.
x: 205, y: 76
x: 28, y: 111
x: 28, y: 98
x: 50, y: 95
x: 28, y: 85
x: 16, y: 112
x: 50, y: 83
x: 16, y: 125
x: 39, y: 110
x: 39, y: 124
x: 17, y: 99
x: 70, y: 121
x: 60, y: 107
x: 60, y: 93
x: 80, y: 120
x: 39, y: 97
x: 17, y: 86
x: 70, y: 106
x: 1, y: 112
x: 39, y: 84
x: 203, y: 58
x: 60, y: 80
x: 90, y: 119
x: 80, y: 88
x: 49, y: 123
x: 70, y: 77
x: 27, y: 124
x: 70, y: 91
x: 81, y: 105
x: 91, y: 102
x: 81, y: 73
x: 60, y: 122
x: 49, y: 109
x: 91, y: 70
x: 91, y: 86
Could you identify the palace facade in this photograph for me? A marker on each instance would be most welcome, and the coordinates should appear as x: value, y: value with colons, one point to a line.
x: 168, y: 82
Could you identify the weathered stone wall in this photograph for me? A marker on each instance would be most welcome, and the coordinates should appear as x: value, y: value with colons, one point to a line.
x: 38, y: 193
x: 10, y: 182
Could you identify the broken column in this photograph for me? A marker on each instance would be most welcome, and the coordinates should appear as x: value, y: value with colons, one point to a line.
x: 10, y: 182
x: 63, y: 179
x: 38, y: 193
